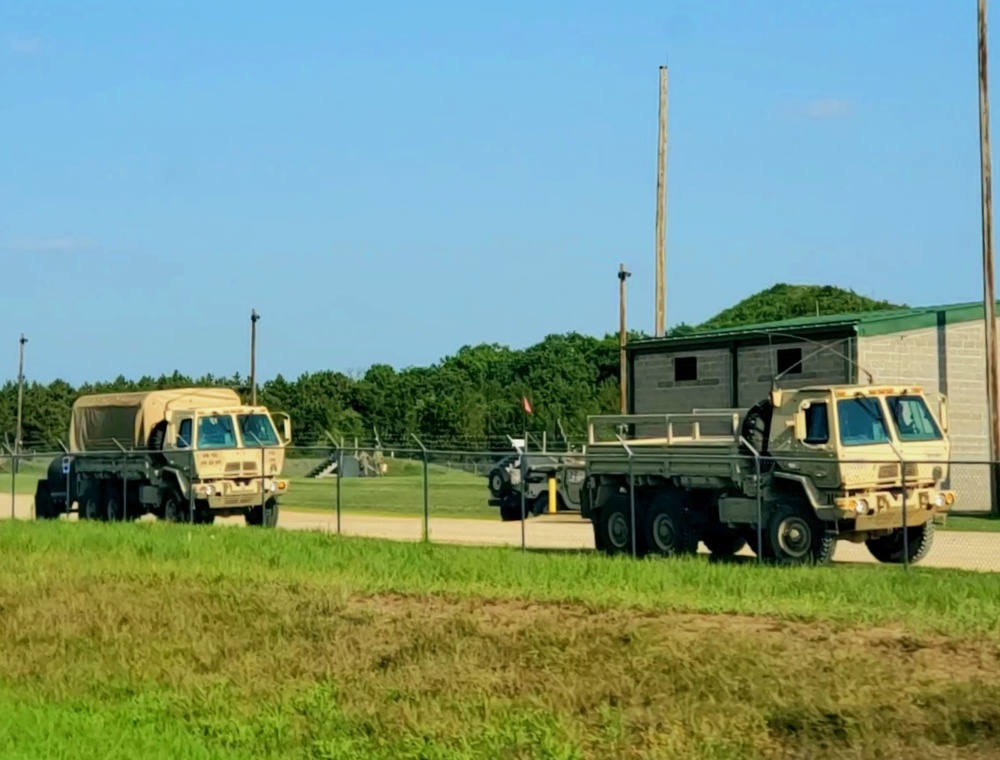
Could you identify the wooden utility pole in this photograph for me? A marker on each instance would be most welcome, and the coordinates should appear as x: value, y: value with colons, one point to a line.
x: 661, y: 211
x: 989, y: 297
x: 20, y: 394
x: 622, y: 276
x: 254, y: 316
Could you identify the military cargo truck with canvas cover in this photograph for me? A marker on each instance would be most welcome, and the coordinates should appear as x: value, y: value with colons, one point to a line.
x: 797, y: 472
x: 183, y: 455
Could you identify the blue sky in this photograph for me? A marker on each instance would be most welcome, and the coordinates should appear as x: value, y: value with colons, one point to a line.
x: 387, y: 181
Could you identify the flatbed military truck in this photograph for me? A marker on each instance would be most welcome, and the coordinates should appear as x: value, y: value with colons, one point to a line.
x: 789, y: 477
x: 183, y: 455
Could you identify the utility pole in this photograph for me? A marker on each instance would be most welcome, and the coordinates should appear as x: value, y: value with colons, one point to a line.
x: 20, y: 395
x: 622, y: 276
x: 254, y: 316
x: 989, y: 297
x: 661, y: 211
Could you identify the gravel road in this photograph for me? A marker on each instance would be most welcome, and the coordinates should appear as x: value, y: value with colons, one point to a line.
x: 952, y: 549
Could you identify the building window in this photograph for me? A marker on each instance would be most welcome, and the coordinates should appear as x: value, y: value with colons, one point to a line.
x: 817, y: 424
x: 685, y: 368
x: 790, y: 360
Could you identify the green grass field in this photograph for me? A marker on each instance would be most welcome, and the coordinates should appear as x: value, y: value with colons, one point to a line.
x: 164, y: 641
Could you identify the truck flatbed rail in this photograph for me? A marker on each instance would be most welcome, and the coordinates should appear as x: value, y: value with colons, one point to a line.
x: 667, y: 424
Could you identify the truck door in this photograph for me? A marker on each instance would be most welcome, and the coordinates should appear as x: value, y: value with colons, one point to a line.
x: 180, y: 441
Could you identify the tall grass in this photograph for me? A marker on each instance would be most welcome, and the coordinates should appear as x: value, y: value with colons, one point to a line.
x: 164, y: 641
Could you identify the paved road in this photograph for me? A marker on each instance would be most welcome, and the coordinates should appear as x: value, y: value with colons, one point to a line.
x: 952, y: 549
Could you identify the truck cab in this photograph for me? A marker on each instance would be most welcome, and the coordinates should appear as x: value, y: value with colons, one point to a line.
x: 231, y: 447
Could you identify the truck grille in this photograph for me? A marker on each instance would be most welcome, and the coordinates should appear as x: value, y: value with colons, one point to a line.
x: 233, y: 468
x: 891, y: 471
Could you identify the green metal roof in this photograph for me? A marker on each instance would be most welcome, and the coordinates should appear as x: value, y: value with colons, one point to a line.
x: 863, y: 323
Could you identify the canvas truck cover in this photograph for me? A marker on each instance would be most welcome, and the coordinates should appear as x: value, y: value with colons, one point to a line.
x: 99, y: 420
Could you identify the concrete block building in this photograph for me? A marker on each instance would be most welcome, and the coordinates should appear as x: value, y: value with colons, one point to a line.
x: 940, y: 347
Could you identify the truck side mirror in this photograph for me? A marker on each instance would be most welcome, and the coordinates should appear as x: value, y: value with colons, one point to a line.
x: 943, y: 411
x: 286, y: 426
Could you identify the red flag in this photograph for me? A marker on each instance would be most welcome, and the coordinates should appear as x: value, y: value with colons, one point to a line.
x: 525, y: 404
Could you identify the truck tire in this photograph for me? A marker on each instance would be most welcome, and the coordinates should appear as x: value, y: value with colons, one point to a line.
x: 499, y: 482
x: 795, y: 537
x: 512, y: 513
x: 266, y: 516
x: 667, y: 532
x: 114, y: 504
x: 91, y: 501
x: 45, y: 506
x: 541, y: 505
x: 175, y: 507
x: 889, y: 549
x: 614, y: 522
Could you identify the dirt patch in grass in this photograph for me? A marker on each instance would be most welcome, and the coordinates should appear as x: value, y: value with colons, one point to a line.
x: 310, y: 670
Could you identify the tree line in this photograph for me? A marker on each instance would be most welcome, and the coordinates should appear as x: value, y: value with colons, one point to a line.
x: 471, y: 399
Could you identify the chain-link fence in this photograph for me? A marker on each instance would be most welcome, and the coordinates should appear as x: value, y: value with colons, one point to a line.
x: 621, y: 497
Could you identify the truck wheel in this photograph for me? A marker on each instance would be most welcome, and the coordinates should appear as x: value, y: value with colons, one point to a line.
x: 723, y: 541
x: 512, y: 513
x: 90, y: 501
x: 889, y: 549
x: 203, y: 514
x: 540, y: 505
x: 666, y: 526
x: 114, y: 506
x: 797, y: 538
x: 499, y: 482
x: 45, y: 506
x: 175, y: 509
x: 615, y: 525
x: 266, y: 516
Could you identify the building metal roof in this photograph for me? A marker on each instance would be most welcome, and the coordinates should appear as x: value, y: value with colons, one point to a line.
x: 864, y: 323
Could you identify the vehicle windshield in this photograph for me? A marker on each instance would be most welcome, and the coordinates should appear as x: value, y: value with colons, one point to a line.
x: 861, y: 421
x: 257, y: 430
x: 912, y: 419
x: 216, y: 431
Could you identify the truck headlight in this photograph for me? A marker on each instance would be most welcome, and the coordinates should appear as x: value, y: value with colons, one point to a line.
x: 209, y: 490
x: 940, y: 500
x: 861, y: 507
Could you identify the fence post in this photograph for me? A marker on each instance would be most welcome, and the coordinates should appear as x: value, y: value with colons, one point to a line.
x: 13, y: 481
x: 124, y: 479
x: 524, y: 505
x: 426, y: 527
x: 631, y: 493
x: 906, y: 537
x: 191, y: 490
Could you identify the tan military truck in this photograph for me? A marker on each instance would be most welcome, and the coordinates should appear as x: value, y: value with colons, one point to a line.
x: 790, y: 477
x: 183, y: 455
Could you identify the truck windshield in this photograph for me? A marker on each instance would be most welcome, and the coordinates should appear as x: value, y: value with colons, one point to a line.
x: 216, y: 431
x: 256, y: 430
x: 861, y: 421
x: 912, y: 419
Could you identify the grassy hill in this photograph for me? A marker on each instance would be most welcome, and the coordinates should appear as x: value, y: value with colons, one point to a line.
x: 784, y: 301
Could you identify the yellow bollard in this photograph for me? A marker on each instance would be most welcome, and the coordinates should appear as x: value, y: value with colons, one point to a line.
x: 552, y: 495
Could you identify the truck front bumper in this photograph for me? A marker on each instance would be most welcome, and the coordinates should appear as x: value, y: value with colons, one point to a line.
x: 228, y: 494
x: 883, y: 510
